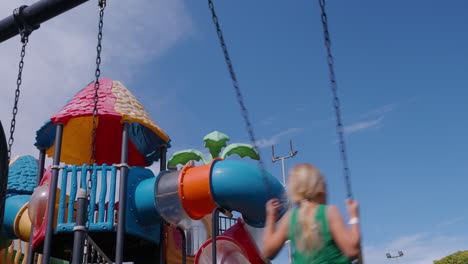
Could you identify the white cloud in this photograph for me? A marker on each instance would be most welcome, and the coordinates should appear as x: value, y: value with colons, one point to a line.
x: 421, y: 248
x: 380, y: 110
x: 451, y: 222
x: 268, y: 142
x: 360, y: 126
x: 60, y: 57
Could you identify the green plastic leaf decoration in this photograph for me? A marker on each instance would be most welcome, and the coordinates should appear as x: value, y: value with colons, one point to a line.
x: 243, y: 150
x: 184, y: 156
x: 215, y: 141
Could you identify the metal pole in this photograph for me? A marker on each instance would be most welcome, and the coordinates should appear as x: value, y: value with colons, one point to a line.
x: 52, y: 196
x: 40, y: 173
x: 36, y: 14
x: 40, y: 170
x: 284, y: 174
x: 4, y: 166
x: 288, y: 242
x: 162, y: 160
x: 162, y: 241
x: 122, y: 196
x: 275, y: 159
x: 79, y: 231
x: 184, y: 245
x: 214, y: 232
x: 162, y: 231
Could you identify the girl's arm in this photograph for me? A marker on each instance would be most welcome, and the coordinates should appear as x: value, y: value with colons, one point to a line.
x: 348, y: 240
x: 273, y: 239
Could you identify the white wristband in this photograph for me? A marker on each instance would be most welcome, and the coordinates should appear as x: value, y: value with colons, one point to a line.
x: 353, y: 221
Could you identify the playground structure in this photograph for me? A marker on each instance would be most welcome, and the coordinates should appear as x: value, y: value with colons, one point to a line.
x: 182, y: 199
x: 141, y: 143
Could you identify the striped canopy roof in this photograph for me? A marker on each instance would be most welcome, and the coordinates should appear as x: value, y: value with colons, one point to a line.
x: 116, y: 105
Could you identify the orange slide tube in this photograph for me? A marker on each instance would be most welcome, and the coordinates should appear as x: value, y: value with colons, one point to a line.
x: 195, y: 190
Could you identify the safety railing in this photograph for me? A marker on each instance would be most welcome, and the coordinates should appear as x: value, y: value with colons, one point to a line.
x: 225, y: 223
x: 94, y: 254
x: 14, y: 253
x: 101, y: 212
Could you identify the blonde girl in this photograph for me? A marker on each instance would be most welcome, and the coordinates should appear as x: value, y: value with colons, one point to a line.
x: 317, y: 231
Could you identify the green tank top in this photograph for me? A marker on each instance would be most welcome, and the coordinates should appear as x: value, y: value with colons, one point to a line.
x: 328, y: 254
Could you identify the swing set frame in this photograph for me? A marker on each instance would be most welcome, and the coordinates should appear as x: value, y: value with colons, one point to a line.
x: 34, y: 15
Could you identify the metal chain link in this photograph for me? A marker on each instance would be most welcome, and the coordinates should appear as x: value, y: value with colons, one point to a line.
x: 336, y: 104
x: 24, y: 30
x: 97, y: 74
x: 240, y: 98
x: 336, y: 101
x: 19, y: 80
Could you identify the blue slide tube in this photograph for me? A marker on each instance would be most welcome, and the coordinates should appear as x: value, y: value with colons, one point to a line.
x: 245, y: 188
x: 13, y: 205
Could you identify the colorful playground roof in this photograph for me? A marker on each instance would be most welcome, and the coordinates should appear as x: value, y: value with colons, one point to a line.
x: 116, y: 105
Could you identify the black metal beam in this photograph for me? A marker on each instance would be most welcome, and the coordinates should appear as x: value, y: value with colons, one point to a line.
x: 79, y: 231
x: 4, y: 165
x: 119, y: 247
x: 163, y: 156
x: 36, y: 14
x: 49, y: 232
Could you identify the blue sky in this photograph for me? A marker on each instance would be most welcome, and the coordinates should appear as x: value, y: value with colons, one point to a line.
x: 401, y: 69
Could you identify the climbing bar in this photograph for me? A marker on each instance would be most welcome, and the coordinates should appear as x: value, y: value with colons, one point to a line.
x: 36, y: 14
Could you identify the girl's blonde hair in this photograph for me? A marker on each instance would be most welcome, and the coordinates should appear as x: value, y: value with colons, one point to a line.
x: 306, y: 183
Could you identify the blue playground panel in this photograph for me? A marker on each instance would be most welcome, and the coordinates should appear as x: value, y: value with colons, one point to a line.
x: 100, y: 218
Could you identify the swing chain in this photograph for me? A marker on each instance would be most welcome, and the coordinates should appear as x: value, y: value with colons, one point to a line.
x: 17, y: 95
x: 336, y: 101
x: 25, y: 30
x: 235, y: 83
x: 97, y: 74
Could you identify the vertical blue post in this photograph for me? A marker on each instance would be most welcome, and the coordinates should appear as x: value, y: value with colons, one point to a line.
x: 92, y: 197
x: 40, y: 173
x: 110, y: 206
x: 84, y: 173
x: 63, y: 197
x: 102, y: 194
x: 122, y: 196
x: 73, y: 191
x: 52, y: 195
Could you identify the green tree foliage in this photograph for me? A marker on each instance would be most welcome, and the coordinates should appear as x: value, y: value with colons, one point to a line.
x: 460, y: 257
